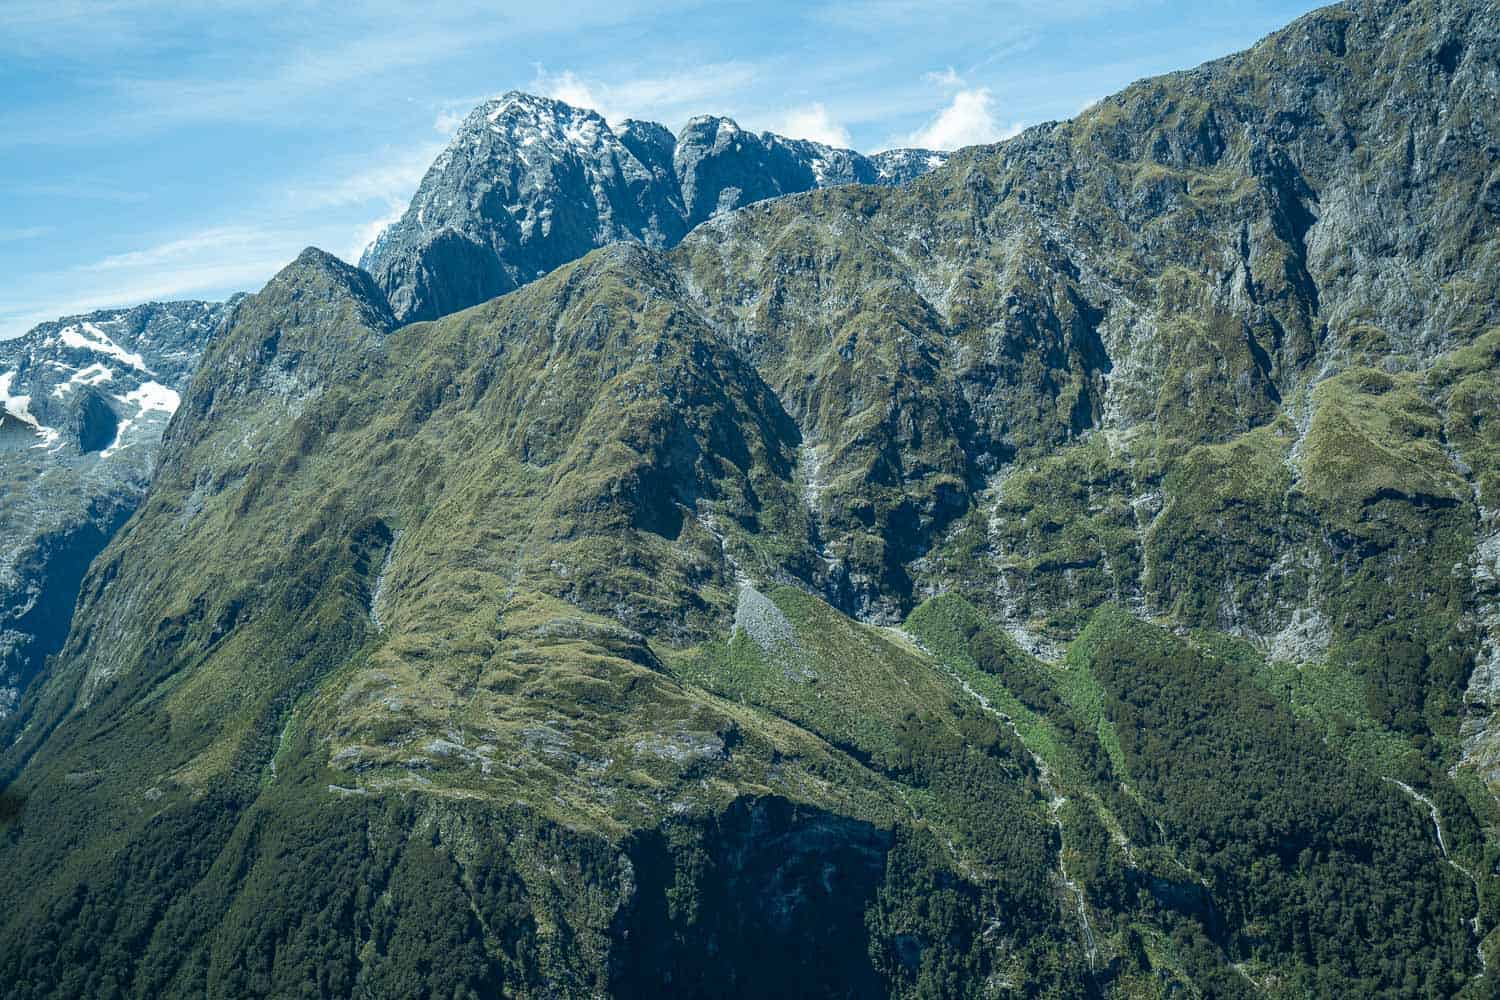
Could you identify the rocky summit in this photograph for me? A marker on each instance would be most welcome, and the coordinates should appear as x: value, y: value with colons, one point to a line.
x: 1072, y: 573
x: 531, y: 183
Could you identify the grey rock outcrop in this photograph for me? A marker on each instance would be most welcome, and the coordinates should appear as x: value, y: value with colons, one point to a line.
x: 85, y: 402
x: 530, y: 183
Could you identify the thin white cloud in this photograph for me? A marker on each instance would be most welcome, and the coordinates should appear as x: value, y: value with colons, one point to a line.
x: 214, y: 261
x: 180, y: 258
x: 970, y: 119
x: 672, y: 96
x: 367, y: 233
x: 79, y: 189
x: 25, y: 233
x: 569, y: 88
x: 286, y: 76
x: 668, y: 98
x: 946, y: 78
x: 287, y: 85
x: 448, y: 120
x: 392, y: 179
x: 815, y: 123
x: 207, y: 263
x: 384, y: 188
x: 876, y: 15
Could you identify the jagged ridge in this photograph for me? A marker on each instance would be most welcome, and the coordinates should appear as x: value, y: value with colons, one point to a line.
x: 529, y: 183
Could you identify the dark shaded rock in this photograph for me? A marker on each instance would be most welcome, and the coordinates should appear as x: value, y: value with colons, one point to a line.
x: 94, y: 422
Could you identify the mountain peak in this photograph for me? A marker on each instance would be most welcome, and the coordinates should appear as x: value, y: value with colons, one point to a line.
x: 312, y: 256
x: 519, y: 108
x: 319, y: 275
x: 716, y: 122
x: 529, y: 183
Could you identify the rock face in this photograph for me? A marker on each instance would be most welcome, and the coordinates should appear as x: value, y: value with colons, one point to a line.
x: 654, y: 627
x: 530, y: 183
x: 86, y: 400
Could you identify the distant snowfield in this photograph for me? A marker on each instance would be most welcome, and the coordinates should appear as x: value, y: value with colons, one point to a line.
x: 20, y: 408
x: 17, y: 406
x: 149, y: 397
x: 94, y: 339
x: 153, y: 396
x: 94, y: 374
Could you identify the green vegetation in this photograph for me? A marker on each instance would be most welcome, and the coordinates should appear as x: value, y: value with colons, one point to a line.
x: 1466, y: 382
x: 1225, y: 521
x: 966, y: 779
x: 547, y: 648
x: 1394, y: 509
x: 1314, y: 867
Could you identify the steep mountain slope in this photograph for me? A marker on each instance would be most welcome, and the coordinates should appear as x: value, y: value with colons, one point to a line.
x: 85, y: 400
x: 397, y: 641
x: 577, y: 185
x: 530, y: 183
x: 1070, y: 574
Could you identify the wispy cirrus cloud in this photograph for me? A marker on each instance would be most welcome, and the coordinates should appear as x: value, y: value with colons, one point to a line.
x: 77, y: 189
x: 24, y: 233
x: 383, y: 187
x: 214, y: 260
x: 198, y: 264
x: 175, y: 79
x: 977, y: 15
x: 179, y: 258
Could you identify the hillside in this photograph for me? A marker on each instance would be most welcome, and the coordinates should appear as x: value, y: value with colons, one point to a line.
x: 1071, y: 573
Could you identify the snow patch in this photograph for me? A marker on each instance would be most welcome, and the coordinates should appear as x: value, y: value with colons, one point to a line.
x: 91, y: 338
x: 17, y: 406
x: 150, y: 397
x: 20, y: 408
x: 119, y: 441
x: 153, y: 396
x: 94, y: 374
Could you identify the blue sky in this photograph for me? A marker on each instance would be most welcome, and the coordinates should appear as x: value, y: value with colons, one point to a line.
x: 157, y: 150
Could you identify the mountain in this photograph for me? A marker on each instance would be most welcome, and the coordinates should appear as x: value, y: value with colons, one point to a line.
x: 69, y: 388
x: 1069, y: 574
x: 530, y: 183
x: 85, y: 400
